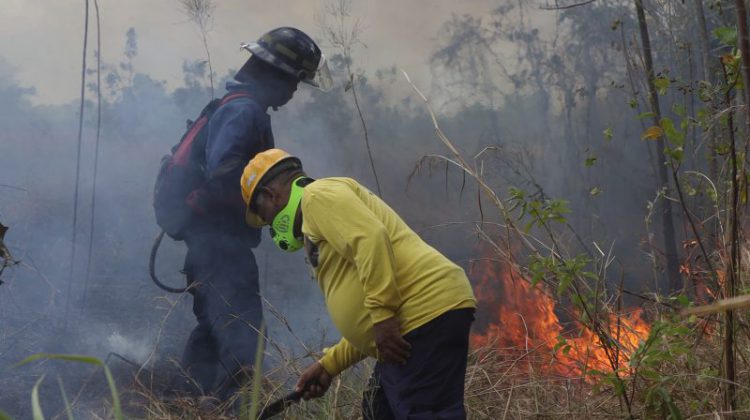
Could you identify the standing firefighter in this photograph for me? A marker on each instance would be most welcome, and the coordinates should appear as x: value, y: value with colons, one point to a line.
x: 390, y: 295
x: 197, y: 200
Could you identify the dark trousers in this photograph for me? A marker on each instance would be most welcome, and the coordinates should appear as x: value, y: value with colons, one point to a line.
x: 431, y: 384
x: 220, y: 351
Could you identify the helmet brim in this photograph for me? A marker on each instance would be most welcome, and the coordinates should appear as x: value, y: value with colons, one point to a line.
x: 253, y: 220
x: 321, y: 80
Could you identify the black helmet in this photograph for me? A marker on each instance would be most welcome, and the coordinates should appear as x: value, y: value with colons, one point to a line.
x: 295, y: 53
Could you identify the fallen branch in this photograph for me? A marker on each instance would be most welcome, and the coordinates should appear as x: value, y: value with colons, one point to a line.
x: 738, y: 302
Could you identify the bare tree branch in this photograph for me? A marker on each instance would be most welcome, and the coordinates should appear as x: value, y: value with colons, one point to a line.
x: 201, y: 13
x: 570, y: 6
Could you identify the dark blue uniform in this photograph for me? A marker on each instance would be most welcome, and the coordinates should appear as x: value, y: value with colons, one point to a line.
x: 220, y: 260
x: 430, y: 386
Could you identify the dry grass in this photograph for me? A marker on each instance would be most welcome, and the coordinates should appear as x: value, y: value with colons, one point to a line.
x: 510, y: 383
x: 342, y: 401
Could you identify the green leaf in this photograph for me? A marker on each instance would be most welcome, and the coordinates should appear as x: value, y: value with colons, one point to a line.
x: 536, y: 278
x: 705, y: 92
x: 590, y: 161
x: 113, y: 391
x: 36, y: 408
x: 676, y: 153
x: 4, y: 415
x: 561, y: 341
x: 679, y: 109
x: 661, y: 84
x: 116, y: 407
x: 67, y: 357
x: 722, y: 149
x: 650, y: 374
x: 674, y: 412
x: 619, y: 388
x: 595, y: 191
x: 564, y: 283
x: 675, y: 136
x: 608, y: 134
x: 68, y: 408
x: 727, y: 36
x: 645, y: 115
x: 257, y: 374
x: 590, y: 275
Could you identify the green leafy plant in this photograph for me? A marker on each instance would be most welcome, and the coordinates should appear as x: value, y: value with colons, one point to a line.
x: 36, y: 406
x: 540, y: 211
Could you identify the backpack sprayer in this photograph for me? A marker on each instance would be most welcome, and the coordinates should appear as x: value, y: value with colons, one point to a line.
x: 182, y: 172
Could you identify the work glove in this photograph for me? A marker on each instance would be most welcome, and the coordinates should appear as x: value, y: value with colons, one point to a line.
x: 391, y: 345
x: 314, y: 381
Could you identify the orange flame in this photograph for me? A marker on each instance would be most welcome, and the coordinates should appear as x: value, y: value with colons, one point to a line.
x: 513, y: 314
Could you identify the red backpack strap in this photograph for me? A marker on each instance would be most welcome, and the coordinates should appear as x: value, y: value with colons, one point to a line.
x: 232, y: 96
x: 182, y: 152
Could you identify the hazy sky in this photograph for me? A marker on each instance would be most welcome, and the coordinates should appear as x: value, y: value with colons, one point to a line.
x: 42, y: 38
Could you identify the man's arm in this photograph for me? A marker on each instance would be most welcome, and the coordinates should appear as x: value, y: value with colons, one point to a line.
x: 316, y: 378
x: 341, y: 356
x: 231, y: 138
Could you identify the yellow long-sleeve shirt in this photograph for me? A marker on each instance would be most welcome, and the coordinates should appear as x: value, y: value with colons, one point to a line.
x: 372, y: 266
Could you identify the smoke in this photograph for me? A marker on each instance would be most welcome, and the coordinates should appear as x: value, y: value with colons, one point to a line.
x: 537, y: 103
x: 132, y: 348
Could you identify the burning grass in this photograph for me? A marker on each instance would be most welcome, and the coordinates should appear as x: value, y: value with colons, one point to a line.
x: 513, y: 314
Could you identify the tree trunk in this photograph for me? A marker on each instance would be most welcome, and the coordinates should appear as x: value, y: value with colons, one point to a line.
x: 704, y: 40
x: 733, y: 278
x: 670, y: 245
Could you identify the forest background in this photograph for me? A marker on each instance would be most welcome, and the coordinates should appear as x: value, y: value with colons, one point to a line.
x: 594, y: 150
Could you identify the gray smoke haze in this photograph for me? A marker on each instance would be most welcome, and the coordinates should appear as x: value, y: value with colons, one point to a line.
x: 498, y: 80
x: 32, y: 38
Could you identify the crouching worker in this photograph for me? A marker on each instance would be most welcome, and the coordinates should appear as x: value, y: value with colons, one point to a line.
x: 390, y: 295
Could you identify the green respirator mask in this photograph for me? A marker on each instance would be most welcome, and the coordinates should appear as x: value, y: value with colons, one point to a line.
x: 282, y: 226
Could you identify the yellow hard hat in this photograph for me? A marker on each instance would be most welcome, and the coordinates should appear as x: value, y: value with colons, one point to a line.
x: 254, y: 172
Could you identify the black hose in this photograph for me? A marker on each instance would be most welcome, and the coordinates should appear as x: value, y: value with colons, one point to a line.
x: 152, y: 267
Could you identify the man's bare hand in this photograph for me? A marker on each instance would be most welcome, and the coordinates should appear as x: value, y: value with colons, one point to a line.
x: 313, y: 382
x: 391, y: 345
